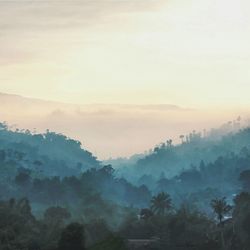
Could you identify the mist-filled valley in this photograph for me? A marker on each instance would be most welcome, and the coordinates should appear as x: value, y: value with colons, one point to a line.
x: 108, y: 129
x: 57, y: 195
x: 124, y: 125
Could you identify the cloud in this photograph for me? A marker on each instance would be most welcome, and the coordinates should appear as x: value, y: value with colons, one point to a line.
x: 111, y: 129
x: 44, y: 28
x: 43, y: 15
x: 144, y: 51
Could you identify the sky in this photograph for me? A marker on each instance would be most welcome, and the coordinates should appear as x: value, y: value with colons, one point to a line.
x: 193, y: 53
x: 129, y: 57
x: 113, y: 130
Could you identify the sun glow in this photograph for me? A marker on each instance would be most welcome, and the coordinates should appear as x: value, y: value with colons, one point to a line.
x: 193, y: 53
x: 177, y: 52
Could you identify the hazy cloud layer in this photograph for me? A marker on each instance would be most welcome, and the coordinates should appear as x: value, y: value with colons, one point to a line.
x: 193, y: 53
x: 23, y: 23
x: 110, y: 130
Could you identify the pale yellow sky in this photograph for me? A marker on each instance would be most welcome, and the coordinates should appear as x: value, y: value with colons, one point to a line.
x: 185, y: 52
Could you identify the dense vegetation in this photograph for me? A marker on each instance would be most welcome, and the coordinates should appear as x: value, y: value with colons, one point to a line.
x: 195, y: 147
x: 50, y: 153
x: 57, y: 196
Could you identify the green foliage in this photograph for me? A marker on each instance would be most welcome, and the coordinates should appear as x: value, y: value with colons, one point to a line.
x: 72, y: 237
x: 19, y: 230
x: 245, y: 179
x: 221, y: 208
x: 49, y: 169
x: 110, y: 243
x: 56, y: 215
x: 48, y: 154
x: 241, y: 216
x: 161, y: 203
x: 172, y: 159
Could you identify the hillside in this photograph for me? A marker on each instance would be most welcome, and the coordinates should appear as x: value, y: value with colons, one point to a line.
x: 63, y: 183
x: 49, y: 153
x: 170, y: 160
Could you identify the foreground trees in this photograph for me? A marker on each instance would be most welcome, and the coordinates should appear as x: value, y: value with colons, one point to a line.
x: 241, y: 217
x: 72, y: 237
x: 20, y: 230
x: 184, y: 228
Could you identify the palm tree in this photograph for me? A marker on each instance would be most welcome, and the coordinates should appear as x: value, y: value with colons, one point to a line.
x: 169, y: 143
x: 221, y: 208
x: 182, y: 138
x: 161, y: 203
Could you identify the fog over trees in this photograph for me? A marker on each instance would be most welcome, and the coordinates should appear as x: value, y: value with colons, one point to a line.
x: 56, y: 195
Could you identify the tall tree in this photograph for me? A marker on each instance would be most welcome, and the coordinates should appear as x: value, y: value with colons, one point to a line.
x: 161, y: 203
x: 182, y: 138
x: 221, y: 208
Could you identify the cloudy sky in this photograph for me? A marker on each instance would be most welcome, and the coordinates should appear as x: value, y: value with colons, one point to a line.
x: 185, y: 52
x: 191, y: 53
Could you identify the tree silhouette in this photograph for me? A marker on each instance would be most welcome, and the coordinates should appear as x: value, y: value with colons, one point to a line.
x: 182, y: 138
x: 146, y: 213
x: 161, y: 203
x: 221, y: 208
x: 23, y: 179
x: 72, y: 238
x: 169, y: 143
x: 56, y: 215
x: 245, y: 179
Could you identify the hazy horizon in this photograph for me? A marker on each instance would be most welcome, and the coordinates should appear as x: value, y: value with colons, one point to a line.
x: 124, y: 124
x: 93, y: 57
x: 112, y: 130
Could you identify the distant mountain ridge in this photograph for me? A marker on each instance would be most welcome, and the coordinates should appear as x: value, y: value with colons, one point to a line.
x: 109, y: 130
x: 92, y: 124
x: 56, y: 153
x: 170, y: 160
x: 7, y: 98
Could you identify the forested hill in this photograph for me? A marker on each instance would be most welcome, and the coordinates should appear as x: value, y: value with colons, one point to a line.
x: 49, y: 153
x: 171, y: 160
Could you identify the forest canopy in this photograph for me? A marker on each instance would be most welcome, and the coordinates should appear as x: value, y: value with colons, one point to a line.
x: 55, y: 195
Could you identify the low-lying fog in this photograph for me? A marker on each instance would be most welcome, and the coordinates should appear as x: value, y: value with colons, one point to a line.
x: 112, y: 130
